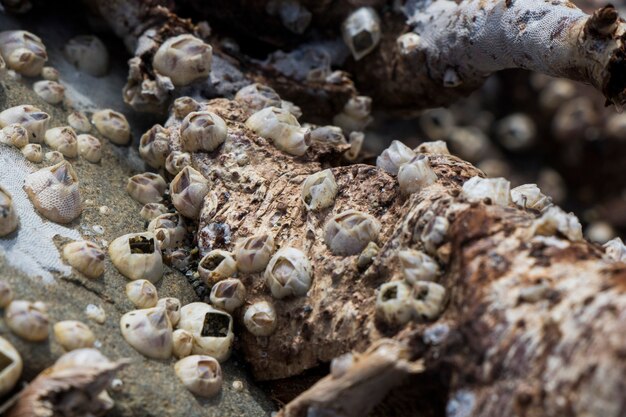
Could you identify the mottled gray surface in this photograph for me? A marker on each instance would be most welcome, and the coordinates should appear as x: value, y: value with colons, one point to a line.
x: 29, y: 263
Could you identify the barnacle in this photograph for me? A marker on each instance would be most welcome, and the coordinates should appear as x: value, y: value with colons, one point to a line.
x: 409, y: 43
x: 394, y: 156
x: 152, y: 210
x: 216, y: 266
x: 319, y: 190
x: 355, y: 115
x: 212, y: 330
x: 553, y: 220
x: 428, y: 299
x: 394, y: 303
x: 253, y: 253
x: 283, y: 128
x: 417, y: 266
x: 172, y: 308
x: 8, y: 215
x: 54, y: 192
x: 23, y: 52
x: 184, y: 59
x: 30, y: 117
x: 72, y: 334
x: 112, y: 125
x: 86, y: 257
x: 6, y: 294
x: 176, y: 161
x: 437, y: 147
x: 14, y: 134
x: 182, y: 343
x: 147, y: 187
x: 289, y: 273
x: 183, y: 106
x: 415, y: 175
x: 10, y: 367
x: 516, y: 131
x: 228, y: 295
x: 89, y: 147
x: 257, y: 97
x: 203, y: 131
x: 50, y: 74
x: 530, y: 196
x: 88, y: 54
x: 154, y: 146
x: 79, y: 122
x: 137, y: 256
x: 148, y: 331
x: 200, y: 374
x: 497, y: 190
x: 260, y: 318
x: 28, y: 320
x: 142, y: 293
x: 361, y: 31
x: 188, y: 189
x: 349, y: 232
x: 615, y: 250
x: 63, y: 139
x: 169, y: 230
x: 50, y: 91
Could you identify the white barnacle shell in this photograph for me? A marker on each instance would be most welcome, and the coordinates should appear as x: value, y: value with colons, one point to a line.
x: 50, y: 74
x: 416, y: 175
x: 254, y: 252
x: 23, y: 51
x: 349, y: 232
x: 553, y: 220
x: 319, y: 190
x: 85, y: 257
x: 142, y: 293
x: 50, y: 91
x: 151, y: 210
x: 434, y: 233
x: 615, y: 250
x: 31, y: 118
x: 95, y: 313
x: 495, y: 189
x: 54, y: 157
x: 154, y: 146
x: 260, y: 318
x: 282, y: 128
x: 516, y: 131
x: 8, y: 215
x: 258, y: 96
x: 428, y: 299
x: 356, y: 143
x: 361, y: 31
x: 355, y: 115
x: 417, y: 266
x: 228, y: 295
x: 182, y: 343
x: 172, y: 308
x: 147, y: 187
x: 28, y: 320
x: 529, y: 196
x: 469, y: 142
x: 216, y: 266
x: 33, y: 152
x: 137, y: 256
x: 289, y: 273
x: 437, y: 147
x: 200, y: 374
x: 6, y: 294
x: 10, y: 366
x: 176, y: 161
x: 89, y: 147
x: 112, y: 125
x: 169, y: 230
x: 212, y: 329
x: 54, y: 192
x: 79, y: 122
x: 72, y: 334
x: 184, y: 59
x: 14, y: 134
x: 202, y: 131
x: 88, y: 54
x: 394, y: 156
x: 409, y: 43
x: 394, y: 303
x: 63, y: 139
x: 183, y: 106
x: 328, y: 135
x: 148, y: 331
x: 188, y: 190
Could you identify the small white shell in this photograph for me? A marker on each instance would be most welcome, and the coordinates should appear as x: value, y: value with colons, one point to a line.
x: 85, y: 257
x: 63, y: 139
x: 202, y: 131
x: 137, y: 256
x: 349, y: 232
x: 260, y: 319
x: 72, y: 334
x: 228, y: 295
x: 416, y: 175
x: 289, y: 273
x: 319, y: 190
x: 328, y: 135
x: 516, y: 131
x: 200, y: 374
x: 149, y: 331
x: 154, y: 146
x: 79, y: 122
x: 8, y: 215
x: 184, y: 59
x: 394, y: 303
x: 553, y: 220
x: 176, y: 161
x: 258, y: 96
x: 50, y: 91
x: 216, y: 266
x: 112, y: 125
x: 529, y: 196
x: 27, y: 320
x: 169, y: 230
x: 151, y: 210
x: 356, y: 143
x: 30, y: 117
x: 361, y: 31
x: 14, y: 134
x: 417, y: 266
x: 355, y: 115
x: 54, y: 192
x: 187, y: 190
x: 172, y: 308
x: 434, y: 233
x: 147, y: 187
x: 95, y: 313
x: 408, y: 43
x: 88, y: 54
x: 615, y: 250
x: 183, y: 106
x: 89, y: 147
x: 283, y: 128
x: 437, y: 147
x: 33, y: 152
x: 23, y: 52
x: 10, y: 367
x: 182, y: 343
x: 253, y: 253
x: 428, y: 300
x: 394, y: 156
x: 212, y: 329
x: 496, y: 189
x: 54, y: 157
x: 50, y: 74
x: 142, y: 293
x: 6, y: 294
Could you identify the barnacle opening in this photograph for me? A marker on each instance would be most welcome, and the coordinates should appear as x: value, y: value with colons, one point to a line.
x: 141, y: 245
x: 283, y: 270
x: 215, y: 325
x: 5, y: 362
x: 390, y: 293
x: 211, y: 263
x: 207, y: 370
x: 226, y: 289
x: 262, y: 319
